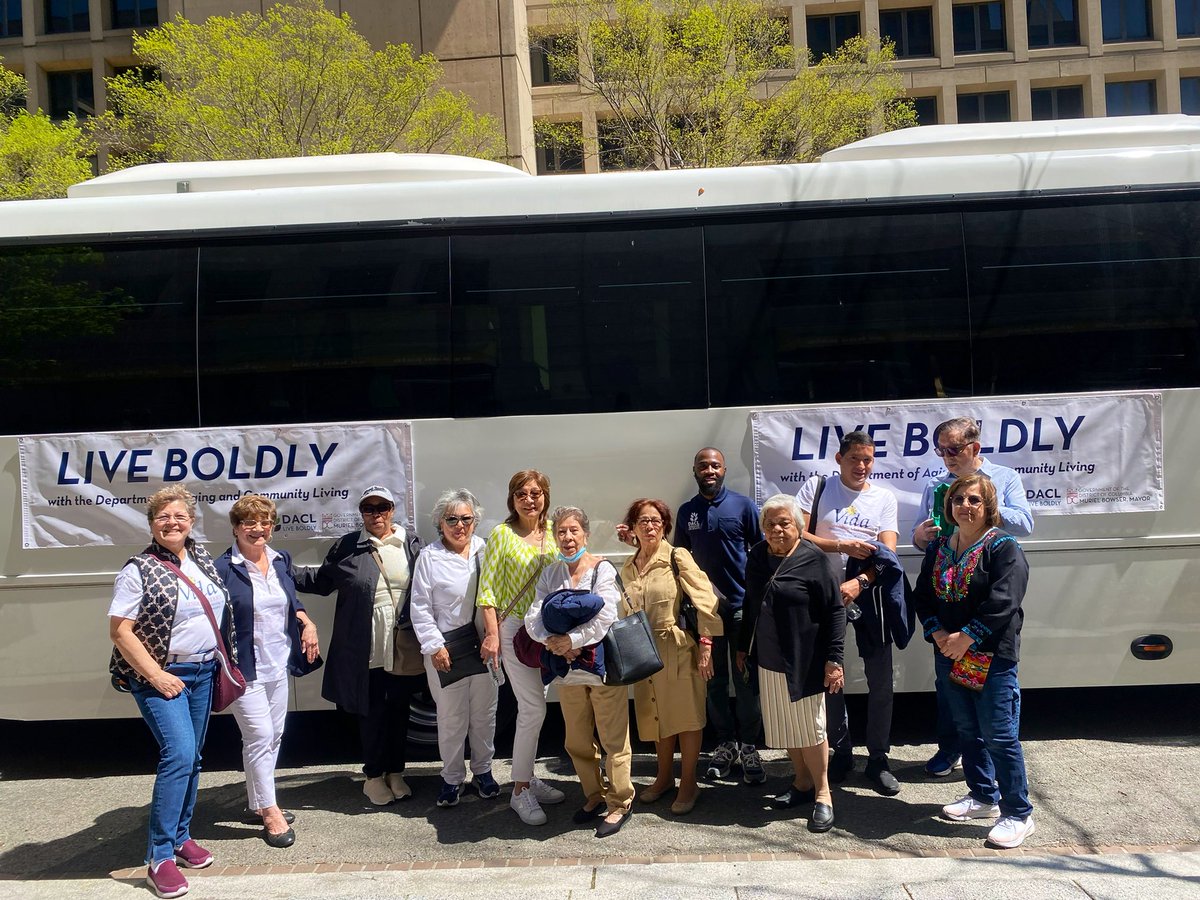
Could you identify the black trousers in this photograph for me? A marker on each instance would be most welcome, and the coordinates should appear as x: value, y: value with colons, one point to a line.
x: 384, y: 729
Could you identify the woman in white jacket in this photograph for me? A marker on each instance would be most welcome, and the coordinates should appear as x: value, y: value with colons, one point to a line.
x: 444, y: 584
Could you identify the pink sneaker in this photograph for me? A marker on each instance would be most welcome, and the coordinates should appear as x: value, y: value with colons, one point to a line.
x: 192, y: 856
x: 166, y: 880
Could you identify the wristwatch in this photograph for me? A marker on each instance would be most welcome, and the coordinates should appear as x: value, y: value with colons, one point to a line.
x: 863, y: 582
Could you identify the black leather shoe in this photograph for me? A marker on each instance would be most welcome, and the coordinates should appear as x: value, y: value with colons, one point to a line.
x: 794, y: 797
x: 880, y: 776
x: 840, y: 765
x: 821, y: 819
x: 585, y: 816
x: 251, y: 817
x: 279, y: 841
x: 605, y: 828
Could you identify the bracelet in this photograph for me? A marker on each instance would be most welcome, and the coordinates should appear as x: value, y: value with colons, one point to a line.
x: 706, y: 641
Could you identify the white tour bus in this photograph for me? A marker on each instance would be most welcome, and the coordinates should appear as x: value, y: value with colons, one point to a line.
x: 603, y: 328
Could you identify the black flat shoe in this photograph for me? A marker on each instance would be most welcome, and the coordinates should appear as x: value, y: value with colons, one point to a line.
x: 606, y: 828
x: 821, y: 819
x: 251, y: 817
x: 279, y: 841
x: 585, y: 816
x: 794, y: 797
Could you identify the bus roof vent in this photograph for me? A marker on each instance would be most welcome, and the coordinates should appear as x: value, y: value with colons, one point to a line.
x: 1123, y: 132
x: 302, y: 171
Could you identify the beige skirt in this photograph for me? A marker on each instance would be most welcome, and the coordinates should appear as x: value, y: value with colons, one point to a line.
x: 789, y: 724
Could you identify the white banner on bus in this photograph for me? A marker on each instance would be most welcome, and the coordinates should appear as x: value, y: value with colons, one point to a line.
x: 84, y: 489
x: 1076, y: 454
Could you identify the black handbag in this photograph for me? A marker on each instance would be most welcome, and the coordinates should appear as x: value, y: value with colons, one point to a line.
x: 630, y: 654
x: 463, y: 645
x: 689, y: 618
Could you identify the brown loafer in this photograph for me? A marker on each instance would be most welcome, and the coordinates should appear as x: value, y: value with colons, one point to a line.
x: 683, y: 807
x: 649, y: 795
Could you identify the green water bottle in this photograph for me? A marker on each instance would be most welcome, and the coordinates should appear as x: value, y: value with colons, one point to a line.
x: 938, y: 513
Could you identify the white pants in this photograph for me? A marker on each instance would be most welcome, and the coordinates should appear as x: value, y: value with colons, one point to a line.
x: 260, y: 713
x: 531, y: 701
x: 466, y: 708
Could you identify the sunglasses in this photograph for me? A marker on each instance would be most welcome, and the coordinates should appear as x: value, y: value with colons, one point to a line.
x: 453, y: 521
x: 952, y: 451
x: 966, y: 500
x: 375, y: 509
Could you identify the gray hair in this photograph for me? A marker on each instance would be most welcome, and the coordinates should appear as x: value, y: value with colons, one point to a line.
x: 785, y: 502
x: 571, y: 512
x: 170, y: 494
x: 459, y: 497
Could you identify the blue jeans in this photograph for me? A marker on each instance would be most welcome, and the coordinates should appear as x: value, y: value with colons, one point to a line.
x: 988, y: 722
x: 748, y: 724
x: 947, y: 732
x: 179, y: 725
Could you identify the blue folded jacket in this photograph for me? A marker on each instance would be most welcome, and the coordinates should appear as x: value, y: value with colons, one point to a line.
x: 562, y: 612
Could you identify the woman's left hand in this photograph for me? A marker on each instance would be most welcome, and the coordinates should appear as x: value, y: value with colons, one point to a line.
x: 441, y: 660
x: 704, y: 662
x: 310, y: 641
x: 835, y: 678
x: 558, y: 644
x: 956, y: 645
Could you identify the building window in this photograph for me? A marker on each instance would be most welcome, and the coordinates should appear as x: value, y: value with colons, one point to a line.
x: 1189, y: 96
x: 827, y: 33
x: 559, y: 147
x: 1053, y: 23
x: 979, y: 28
x: 926, y: 108
x: 67, y: 15
x: 1057, y: 102
x: 540, y: 51
x: 10, y: 18
x: 1125, y: 20
x: 990, y: 107
x: 1187, y: 18
x: 71, y: 93
x: 1131, y: 98
x: 911, y: 30
x: 134, y: 13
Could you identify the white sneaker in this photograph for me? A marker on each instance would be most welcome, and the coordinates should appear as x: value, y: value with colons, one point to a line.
x: 545, y: 793
x: 398, y: 786
x: 526, y: 806
x: 967, y: 808
x: 1011, y: 832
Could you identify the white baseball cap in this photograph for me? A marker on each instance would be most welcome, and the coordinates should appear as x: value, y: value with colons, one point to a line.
x: 379, y: 491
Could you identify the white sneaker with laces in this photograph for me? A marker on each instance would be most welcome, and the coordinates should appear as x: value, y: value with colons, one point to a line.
x: 967, y: 808
x: 545, y: 793
x: 1011, y: 832
x: 526, y: 806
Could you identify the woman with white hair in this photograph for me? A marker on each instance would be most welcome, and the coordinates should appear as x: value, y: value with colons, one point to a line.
x: 445, y: 585
x: 793, y: 630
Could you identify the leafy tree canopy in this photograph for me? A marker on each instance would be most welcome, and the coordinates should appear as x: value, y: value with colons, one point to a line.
x: 39, y: 158
x: 715, y: 83
x: 297, y: 81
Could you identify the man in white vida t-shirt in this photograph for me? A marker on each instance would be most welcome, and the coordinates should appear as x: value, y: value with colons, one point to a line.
x: 850, y: 513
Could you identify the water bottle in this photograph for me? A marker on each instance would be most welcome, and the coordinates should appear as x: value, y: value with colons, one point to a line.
x: 853, y: 612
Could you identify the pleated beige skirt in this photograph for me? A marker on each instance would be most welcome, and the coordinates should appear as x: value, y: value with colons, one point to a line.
x: 788, y: 724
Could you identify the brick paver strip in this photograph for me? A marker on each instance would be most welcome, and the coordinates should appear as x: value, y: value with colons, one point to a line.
x: 137, y: 873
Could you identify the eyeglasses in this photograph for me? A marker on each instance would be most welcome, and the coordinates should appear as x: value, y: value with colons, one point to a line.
x: 952, y: 451
x: 375, y: 509
x: 163, y: 520
x: 529, y: 495
x: 453, y: 521
x: 256, y: 523
x: 966, y: 500
x: 650, y: 521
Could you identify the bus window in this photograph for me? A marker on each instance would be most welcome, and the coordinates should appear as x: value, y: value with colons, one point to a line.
x: 1102, y: 296
x: 587, y: 320
x: 97, y: 338
x: 837, y: 309
x: 336, y: 329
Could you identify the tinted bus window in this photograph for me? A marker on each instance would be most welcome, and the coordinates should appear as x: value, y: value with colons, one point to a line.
x: 578, y: 321
x: 1091, y: 297
x: 837, y: 309
x: 97, y: 338
x: 324, y: 330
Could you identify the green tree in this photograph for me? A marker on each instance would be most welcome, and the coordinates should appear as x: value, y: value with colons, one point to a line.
x: 715, y: 83
x: 297, y: 81
x: 39, y: 158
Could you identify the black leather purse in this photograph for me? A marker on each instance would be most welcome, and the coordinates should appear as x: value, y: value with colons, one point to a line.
x: 689, y: 618
x: 463, y: 645
x: 630, y: 654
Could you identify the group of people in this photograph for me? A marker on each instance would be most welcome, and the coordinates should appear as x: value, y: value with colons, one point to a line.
x: 754, y: 598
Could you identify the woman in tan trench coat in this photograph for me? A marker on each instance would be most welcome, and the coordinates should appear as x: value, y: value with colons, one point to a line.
x: 670, y: 705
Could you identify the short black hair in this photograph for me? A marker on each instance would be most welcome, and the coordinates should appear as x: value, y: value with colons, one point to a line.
x: 855, y: 439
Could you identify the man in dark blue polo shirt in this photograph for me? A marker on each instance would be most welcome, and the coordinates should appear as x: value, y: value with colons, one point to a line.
x: 718, y: 527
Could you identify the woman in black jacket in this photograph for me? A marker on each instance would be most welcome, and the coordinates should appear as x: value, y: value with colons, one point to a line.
x: 365, y: 673
x: 793, y: 631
